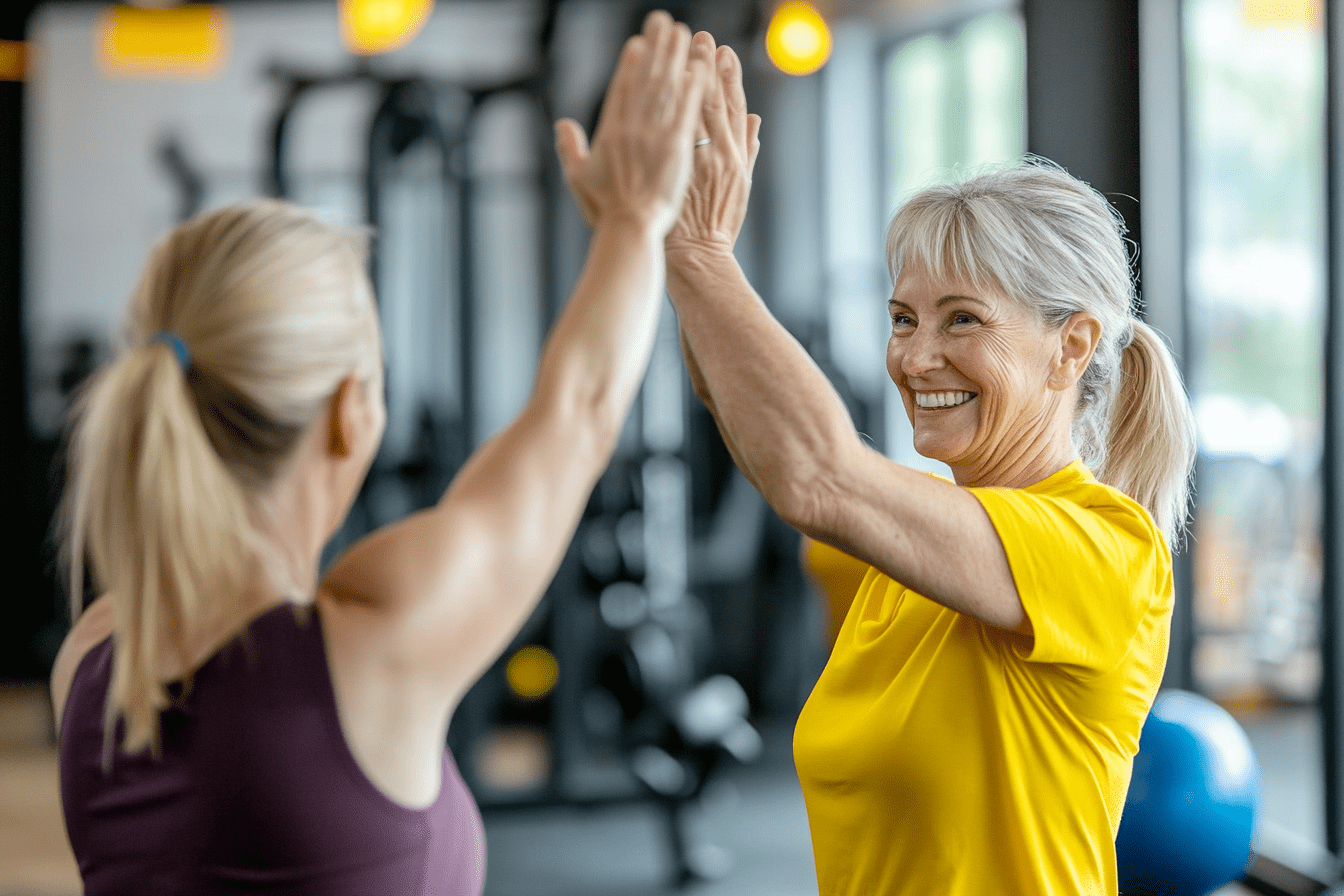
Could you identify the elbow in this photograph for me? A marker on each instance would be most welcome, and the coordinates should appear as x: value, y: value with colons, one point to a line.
x: 810, y: 492
x: 597, y: 419
x: 801, y: 498
x: 582, y: 423
x: 701, y: 390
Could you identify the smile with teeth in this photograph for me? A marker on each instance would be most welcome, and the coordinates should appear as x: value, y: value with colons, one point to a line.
x: 931, y: 400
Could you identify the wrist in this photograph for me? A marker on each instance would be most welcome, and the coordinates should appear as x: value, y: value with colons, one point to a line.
x: 629, y: 224
x: 692, y: 260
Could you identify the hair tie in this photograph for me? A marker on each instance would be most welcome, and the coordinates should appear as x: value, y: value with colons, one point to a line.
x: 177, y: 344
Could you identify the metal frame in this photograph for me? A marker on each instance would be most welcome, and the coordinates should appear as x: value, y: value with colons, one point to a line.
x: 23, y: 488
x: 1332, y: 585
x: 1162, y: 176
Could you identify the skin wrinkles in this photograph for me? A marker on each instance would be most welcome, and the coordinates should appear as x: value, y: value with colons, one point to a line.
x: 948, y: 335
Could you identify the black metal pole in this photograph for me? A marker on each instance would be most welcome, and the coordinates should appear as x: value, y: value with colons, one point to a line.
x: 21, y: 484
x: 466, y: 274
x: 1172, y: 231
x: 277, y: 181
x: 1332, y: 679
x: 1083, y: 93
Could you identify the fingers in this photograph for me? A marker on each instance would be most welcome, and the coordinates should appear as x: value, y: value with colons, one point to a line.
x: 669, y: 46
x: 571, y: 145
x: 698, y: 84
x: 753, y: 140
x: 713, y: 111
x: 630, y: 68
x: 734, y: 96
x: 668, y: 41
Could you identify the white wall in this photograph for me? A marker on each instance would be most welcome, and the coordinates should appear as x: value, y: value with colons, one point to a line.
x: 97, y: 199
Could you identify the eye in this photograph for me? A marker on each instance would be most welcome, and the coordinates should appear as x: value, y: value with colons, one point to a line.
x: 901, y: 319
x: 963, y: 317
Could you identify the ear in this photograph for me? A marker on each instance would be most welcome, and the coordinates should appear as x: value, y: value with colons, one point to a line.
x: 1078, y: 339
x: 341, y: 417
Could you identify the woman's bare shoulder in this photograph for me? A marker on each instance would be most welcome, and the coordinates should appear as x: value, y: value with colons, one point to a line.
x: 92, y: 626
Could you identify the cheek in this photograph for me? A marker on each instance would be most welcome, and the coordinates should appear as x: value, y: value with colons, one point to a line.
x: 1005, y: 366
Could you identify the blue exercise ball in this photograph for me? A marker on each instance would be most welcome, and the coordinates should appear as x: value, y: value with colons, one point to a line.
x: 1189, y: 818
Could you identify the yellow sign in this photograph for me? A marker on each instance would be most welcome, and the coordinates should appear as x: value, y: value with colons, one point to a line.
x: 378, y: 26
x: 175, y: 42
x: 798, y: 40
x: 13, y: 60
x: 1301, y: 13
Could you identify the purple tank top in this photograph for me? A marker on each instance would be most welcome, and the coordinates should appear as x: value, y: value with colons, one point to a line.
x: 256, y: 790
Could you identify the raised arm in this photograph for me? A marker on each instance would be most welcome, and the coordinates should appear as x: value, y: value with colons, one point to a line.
x: 787, y: 428
x: 451, y: 585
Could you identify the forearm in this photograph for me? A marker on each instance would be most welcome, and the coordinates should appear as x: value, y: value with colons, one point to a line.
x: 786, y: 427
x: 480, y: 558
x: 594, y: 360
x: 701, y: 388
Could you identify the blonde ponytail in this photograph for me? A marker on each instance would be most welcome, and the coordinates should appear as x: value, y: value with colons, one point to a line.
x: 1151, y: 442
x: 165, y: 527
x: 171, y: 458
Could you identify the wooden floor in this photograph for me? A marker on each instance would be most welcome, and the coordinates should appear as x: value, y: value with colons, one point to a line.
x: 35, y: 857
x: 766, y: 830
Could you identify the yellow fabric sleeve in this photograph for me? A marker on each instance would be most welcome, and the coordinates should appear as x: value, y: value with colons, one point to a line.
x: 1087, y: 573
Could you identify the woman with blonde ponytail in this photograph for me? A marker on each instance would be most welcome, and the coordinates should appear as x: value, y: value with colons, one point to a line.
x: 230, y: 722
x: 976, y: 724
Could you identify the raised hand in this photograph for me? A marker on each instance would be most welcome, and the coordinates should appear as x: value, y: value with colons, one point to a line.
x: 640, y: 159
x: 716, y: 199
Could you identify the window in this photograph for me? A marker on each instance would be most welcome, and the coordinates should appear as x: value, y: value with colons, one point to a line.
x: 1256, y: 292
x: 955, y: 102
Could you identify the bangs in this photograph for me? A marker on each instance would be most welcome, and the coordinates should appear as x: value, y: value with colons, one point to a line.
x: 949, y: 234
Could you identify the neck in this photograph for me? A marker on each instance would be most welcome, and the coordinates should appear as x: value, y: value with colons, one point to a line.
x: 1038, y: 450
x: 294, y: 524
x: 1019, y: 471
x: 283, y: 570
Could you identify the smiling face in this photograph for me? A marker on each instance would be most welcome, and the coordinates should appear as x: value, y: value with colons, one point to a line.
x: 989, y: 389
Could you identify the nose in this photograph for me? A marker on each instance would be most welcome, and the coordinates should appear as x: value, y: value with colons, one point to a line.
x: 915, y: 353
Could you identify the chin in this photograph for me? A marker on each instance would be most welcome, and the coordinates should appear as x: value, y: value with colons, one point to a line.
x: 941, y: 441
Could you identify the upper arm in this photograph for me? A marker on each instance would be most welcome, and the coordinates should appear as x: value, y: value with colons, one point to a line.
x: 446, y: 588
x: 929, y: 534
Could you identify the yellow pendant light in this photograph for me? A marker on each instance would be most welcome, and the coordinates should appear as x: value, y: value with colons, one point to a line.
x: 798, y: 40
x: 379, y: 26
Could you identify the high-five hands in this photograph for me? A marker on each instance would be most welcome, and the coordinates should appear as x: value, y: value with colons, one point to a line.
x: 716, y: 200
x: 639, y: 163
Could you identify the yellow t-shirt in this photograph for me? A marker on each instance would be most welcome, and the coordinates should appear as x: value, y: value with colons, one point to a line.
x: 939, y: 754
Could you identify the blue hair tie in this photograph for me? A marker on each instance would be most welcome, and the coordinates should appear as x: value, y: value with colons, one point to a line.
x: 177, y: 344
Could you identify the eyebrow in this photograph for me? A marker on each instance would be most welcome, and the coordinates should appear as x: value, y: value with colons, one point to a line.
x: 893, y: 301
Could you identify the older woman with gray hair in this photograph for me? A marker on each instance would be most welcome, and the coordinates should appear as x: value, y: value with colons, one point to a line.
x: 975, y: 728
